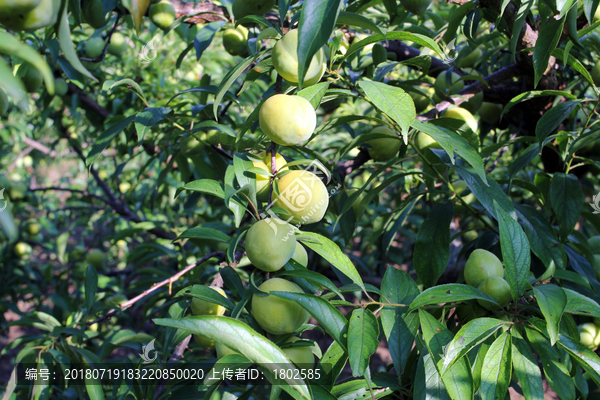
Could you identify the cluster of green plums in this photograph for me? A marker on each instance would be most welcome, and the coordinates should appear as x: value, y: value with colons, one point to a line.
x: 589, y: 334
x: 484, y: 271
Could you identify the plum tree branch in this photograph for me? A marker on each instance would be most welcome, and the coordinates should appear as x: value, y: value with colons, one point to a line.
x: 83, y: 192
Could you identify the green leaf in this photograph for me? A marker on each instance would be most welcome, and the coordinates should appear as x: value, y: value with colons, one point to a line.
x: 395, y: 35
x: 392, y: 101
x: 241, y: 338
x: 330, y: 318
x: 363, y: 332
x: 576, y: 65
x: 91, y: 286
x: 580, y: 304
x: 552, y: 119
x: 138, y: 9
x: 523, y: 160
x: 541, y: 236
x: 205, y: 36
x: 207, y: 294
x: 432, y: 245
x: 349, y: 18
x: 13, y: 86
x: 588, y: 359
x: 526, y: 369
x: 332, y: 363
x: 317, y: 20
x: 67, y: 47
x: 314, y: 93
x: 129, y: 83
x: 468, y: 337
x: 397, y: 287
x: 546, y: 43
x: 314, y: 277
x: 207, y: 186
x: 566, y: 199
x: 147, y: 118
x: 334, y: 255
x: 515, y: 252
x: 449, y: 293
x: 428, y: 384
x: 524, y: 8
x: 552, y: 301
x: 229, y: 79
x: 495, y: 374
x: 105, y: 138
x: 204, y: 233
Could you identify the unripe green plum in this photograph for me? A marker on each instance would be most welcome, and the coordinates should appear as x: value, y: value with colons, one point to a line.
x: 223, y: 350
x: 587, y: 335
x: 93, y: 13
x: 235, y: 41
x: 300, y: 255
x: 285, y: 61
x: 96, y: 258
x: 481, y: 265
x: 41, y: 16
x: 17, y: 192
x: 384, y: 149
x: 463, y: 115
x: 23, y: 250
x: 203, y: 307
x: 3, y: 102
x: 12, y: 8
x: 461, y: 187
x: 596, y: 73
x: 91, y: 66
x: 303, y: 195
x: 60, y: 87
x: 190, y: 146
x: 274, y: 314
x: 424, y: 143
x: 422, y: 100
x: 499, y: 289
x: 118, y: 44
x: 301, y: 356
x: 490, y: 112
x: 32, y: 227
x: 205, y: 342
x: 474, y: 103
x: 594, y: 243
x: 242, y: 8
x: 470, y: 59
x: 262, y: 181
x: 162, y: 14
x: 416, y: 6
x: 115, y: 299
x: 270, y: 244
x: 93, y: 47
x: 449, y: 85
x: 287, y: 119
x: 124, y: 187
x: 31, y: 77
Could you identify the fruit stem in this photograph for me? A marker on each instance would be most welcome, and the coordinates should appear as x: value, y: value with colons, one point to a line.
x: 273, y: 169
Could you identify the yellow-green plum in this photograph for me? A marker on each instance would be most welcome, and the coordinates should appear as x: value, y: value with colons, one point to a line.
x: 425, y: 143
x: 287, y: 119
x: 474, y: 103
x: 96, y: 258
x: 303, y: 195
x: 31, y: 77
x: 60, y: 87
x: 93, y: 47
x: 3, y: 102
x: 588, y: 333
x: 448, y: 84
x: 41, y: 16
x: 384, y: 149
x: 470, y: 59
x: 115, y: 299
x: 490, y: 112
x: 12, y: 8
x: 223, y: 350
x: 461, y: 187
x: 481, y: 265
x: 422, y: 100
x: 204, y: 342
x: 242, y: 8
x: 274, y: 314
x: 94, y: 14
x: 270, y: 243
x: 300, y: 255
x: 463, y: 115
x: 190, y: 146
x: 23, y: 250
x: 285, y: 61
x: 162, y: 14
x: 498, y: 289
x: 118, y: 44
x: 235, y: 41
x: 594, y: 243
x: 596, y: 73
x: 262, y: 181
x: 301, y: 355
x: 203, y: 307
x: 416, y: 6
x: 32, y: 227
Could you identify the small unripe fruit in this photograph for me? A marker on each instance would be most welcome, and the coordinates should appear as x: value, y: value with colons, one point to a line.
x: 449, y: 85
x: 490, y: 112
x: 124, y: 187
x: 481, y: 265
x: 42, y: 15
x: 262, y: 181
x: 242, y: 8
x: 93, y: 13
x: 587, y: 335
x: 422, y: 100
x: 499, y: 289
x: 301, y: 356
x: 118, y: 44
x: 190, y: 146
x: 27, y: 161
x: 416, y: 6
x: 274, y: 314
x: 31, y: 77
x: 33, y: 228
x: 474, y: 103
x: 223, y: 350
x: 462, y: 115
x: 94, y: 47
x: 287, y: 120
x: 270, y: 244
x: 203, y: 307
x: 96, y: 258
x: 470, y: 59
x: 23, y: 250
x: 303, y: 195
x: 384, y: 149
x: 594, y: 243
x: 596, y: 73
x: 300, y: 255
x: 285, y: 61
x: 60, y: 87
x: 162, y: 14
x: 461, y: 187
x: 424, y: 143
x: 235, y: 41
x: 205, y: 342
x: 12, y: 8
x: 115, y: 299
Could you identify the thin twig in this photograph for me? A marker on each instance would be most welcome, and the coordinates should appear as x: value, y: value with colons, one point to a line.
x: 176, y: 356
x: 60, y: 189
x: 103, y: 54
